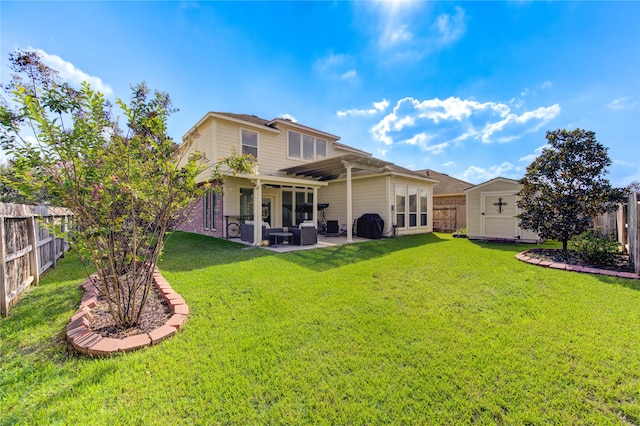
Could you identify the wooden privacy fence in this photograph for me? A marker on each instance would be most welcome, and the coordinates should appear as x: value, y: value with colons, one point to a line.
x: 27, y: 248
x: 449, y: 218
x: 625, y: 225
x: 633, y: 230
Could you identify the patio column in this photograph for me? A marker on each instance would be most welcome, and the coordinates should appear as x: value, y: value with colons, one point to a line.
x: 349, y: 206
x: 315, y: 207
x: 257, y: 214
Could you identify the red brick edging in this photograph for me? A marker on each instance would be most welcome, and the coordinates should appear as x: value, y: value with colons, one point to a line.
x: 88, y: 342
x: 575, y: 268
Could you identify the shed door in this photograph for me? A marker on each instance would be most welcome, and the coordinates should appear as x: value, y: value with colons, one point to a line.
x: 499, y: 215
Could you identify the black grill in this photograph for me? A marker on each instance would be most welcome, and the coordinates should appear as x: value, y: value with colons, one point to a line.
x: 370, y: 225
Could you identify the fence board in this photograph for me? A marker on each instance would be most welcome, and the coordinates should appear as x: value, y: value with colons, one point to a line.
x: 633, y: 230
x: 27, y: 248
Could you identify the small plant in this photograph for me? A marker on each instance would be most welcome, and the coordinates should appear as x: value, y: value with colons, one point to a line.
x: 595, y: 247
x: 460, y: 233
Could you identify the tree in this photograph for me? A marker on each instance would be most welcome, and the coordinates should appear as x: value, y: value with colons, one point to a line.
x: 564, y: 188
x: 125, y: 187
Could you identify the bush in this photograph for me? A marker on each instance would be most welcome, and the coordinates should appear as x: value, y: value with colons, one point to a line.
x: 595, y: 247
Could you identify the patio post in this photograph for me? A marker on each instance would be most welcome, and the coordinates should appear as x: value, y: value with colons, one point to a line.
x: 257, y: 214
x: 315, y: 207
x: 349, y: 206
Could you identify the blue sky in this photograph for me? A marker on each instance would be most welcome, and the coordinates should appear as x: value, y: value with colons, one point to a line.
x: 464, y: 88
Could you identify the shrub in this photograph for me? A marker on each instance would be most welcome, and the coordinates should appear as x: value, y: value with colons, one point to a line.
x: 595, y: 247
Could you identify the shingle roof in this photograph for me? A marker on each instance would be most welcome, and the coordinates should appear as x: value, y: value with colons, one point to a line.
x: 447, y: 185
x: 246, y: 117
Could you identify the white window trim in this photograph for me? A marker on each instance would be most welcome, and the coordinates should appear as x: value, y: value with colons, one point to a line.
x: 315, y: 147
x: 257, y: 140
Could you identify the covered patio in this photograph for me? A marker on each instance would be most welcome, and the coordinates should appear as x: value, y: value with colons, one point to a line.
x: 323, y: 242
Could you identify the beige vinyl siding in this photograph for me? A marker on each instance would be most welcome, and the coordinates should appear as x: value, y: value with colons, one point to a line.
x: 373, y: 195
x: 369, y: 196
x: 219, y: 138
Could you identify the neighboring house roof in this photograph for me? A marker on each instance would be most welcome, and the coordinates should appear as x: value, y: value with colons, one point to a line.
x: 447, y: 185
x: 496, y: 179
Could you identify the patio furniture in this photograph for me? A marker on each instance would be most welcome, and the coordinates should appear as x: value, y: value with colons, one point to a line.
x: 282, y: 235
x: 246, y: 232
x: 305, y: 234
x: 332, y: 229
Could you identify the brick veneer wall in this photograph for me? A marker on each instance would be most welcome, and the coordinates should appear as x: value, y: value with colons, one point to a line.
x: 195, y: 219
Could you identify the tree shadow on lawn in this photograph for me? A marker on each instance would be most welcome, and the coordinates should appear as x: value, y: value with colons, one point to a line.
x: 57, y: 294
x: 185, y: 252
x: 334, y: 257
x: 514, y: 248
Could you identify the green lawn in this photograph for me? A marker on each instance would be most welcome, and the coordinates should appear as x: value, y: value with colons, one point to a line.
x: 414, y: 330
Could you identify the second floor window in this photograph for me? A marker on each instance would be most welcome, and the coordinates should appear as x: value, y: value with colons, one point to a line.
x: 305, y: 147
x: 250, y: 143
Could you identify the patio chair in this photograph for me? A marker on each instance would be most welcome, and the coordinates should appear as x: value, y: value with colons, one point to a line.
x: 304, y: 234
x: 332, y: 229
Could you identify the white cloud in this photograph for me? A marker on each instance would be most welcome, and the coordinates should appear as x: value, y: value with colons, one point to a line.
x: 623, y: 163
x: 433, y: 124
x: 475, y: 174
x: 449, y: 164
x: 403, y: 37
x: 450, y: 27
x: 336, y: 67
x: 288, y: 117
x: 525, y: 92
x: 540, y: 116
x: 396, y: 35
x: 546, y: 85
x: 69, y: 72
x: 529, y: 158
x: 377, y: 107
x: 622, y: 103
x: 349, y: 75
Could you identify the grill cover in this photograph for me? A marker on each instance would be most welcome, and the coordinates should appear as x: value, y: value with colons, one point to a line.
x: 370, y: 225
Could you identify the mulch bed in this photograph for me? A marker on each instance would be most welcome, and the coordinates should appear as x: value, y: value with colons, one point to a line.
x: 572, y: 257
x: 154, y: 315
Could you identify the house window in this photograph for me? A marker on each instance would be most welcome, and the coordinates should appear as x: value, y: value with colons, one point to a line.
x: 305, y: 147
x: 413, y: 207
x: 401, y: 205
x: 291, y: 201
x: 246, y: 203
x: 321, y: 149
x: 423, y: 207
x: 209, y: 211
x: 249, y: 143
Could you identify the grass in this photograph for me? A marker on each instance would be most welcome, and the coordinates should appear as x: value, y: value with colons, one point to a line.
x: 415, y: 330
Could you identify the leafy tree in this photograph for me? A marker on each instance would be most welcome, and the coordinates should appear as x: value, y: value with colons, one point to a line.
x: 633, y: 187
x: 564, y: 187
x: 125, y: 187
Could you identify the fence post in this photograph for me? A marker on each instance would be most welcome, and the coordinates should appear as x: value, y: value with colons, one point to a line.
x: 4, y: 304
x: 52, y: 234
x: 33, y: 255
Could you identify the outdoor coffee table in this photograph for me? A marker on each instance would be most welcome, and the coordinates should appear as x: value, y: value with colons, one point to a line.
x: 275, y: 236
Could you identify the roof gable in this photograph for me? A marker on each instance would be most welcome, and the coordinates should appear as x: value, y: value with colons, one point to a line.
x: 447, y: 184
x: 494, y: 180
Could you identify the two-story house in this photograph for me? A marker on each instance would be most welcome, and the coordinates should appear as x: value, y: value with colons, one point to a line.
x: 299, y: 165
